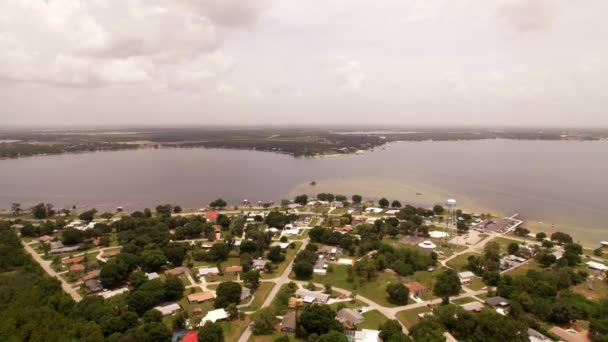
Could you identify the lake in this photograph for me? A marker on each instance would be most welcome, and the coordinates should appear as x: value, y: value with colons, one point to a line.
x: 548, y: 182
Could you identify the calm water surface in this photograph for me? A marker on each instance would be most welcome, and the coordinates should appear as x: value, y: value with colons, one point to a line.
x: 565, y: 182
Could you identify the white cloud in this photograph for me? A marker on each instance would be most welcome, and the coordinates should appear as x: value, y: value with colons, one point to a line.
x: 350, y: 75
x: 97, y: 43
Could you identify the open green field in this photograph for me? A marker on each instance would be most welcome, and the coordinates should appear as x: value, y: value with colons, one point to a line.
x: 459, y: 263
x: 410, y: 317
x: 476, y: 284
x: 373, y: 320
x: 523, y: 269
x: 289, y: 255
x: 259, y: 296
x: 220, y: 278
x: 234, y: 329
x: 350, y: 304
x: 374, y: 289
x: 504, y: 243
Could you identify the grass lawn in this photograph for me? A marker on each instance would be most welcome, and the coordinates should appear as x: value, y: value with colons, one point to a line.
x: 523, y: 269
x: 350, y: 304
x: 220, y: 278
x: 259, y: 297
x: 234, y: 329
x: 301, y: 236
x: 185, y: 280
x: 374, y: 289
x: 410, y: 317
x: 289, y: 255
x: 599, y: 290
x: 213, y: 287
x: 189, y: 307
x: 504, y: 243
x: 459, y: 262
x: 373, y: 320
x: 464, y: 300
x: 476, y: 284
x: 270, y: 338
x: 448, y: 249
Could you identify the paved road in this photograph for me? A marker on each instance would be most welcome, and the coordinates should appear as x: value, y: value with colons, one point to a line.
x: 279, y: 281
x: 46, y: 266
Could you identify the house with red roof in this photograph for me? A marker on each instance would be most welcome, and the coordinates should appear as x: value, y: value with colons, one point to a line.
x: 211, y: 216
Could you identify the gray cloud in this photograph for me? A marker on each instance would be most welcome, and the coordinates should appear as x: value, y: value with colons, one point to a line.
x: 528, y: 15
x: 416, y: 62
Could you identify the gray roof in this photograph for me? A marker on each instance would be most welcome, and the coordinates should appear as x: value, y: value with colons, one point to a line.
x: 497, y: 301
x: 245, y: 293
x: 319, y: 296
x: 349, y: 316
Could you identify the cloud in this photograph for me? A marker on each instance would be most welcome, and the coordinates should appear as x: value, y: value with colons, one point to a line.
x: 528, y: 15
x: 350, y: 75
x: 90, y: 43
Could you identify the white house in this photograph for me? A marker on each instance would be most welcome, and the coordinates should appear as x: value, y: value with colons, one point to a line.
x: 312, y: 296
x: 596, y: 266
x: 373, y: 210
x: 205, y: 271
x: 214, y: 316
x: 168, y: 309
x: 152, y: 275
x: 367, y: 335
x: 110, y: 294
x: 466, y: 277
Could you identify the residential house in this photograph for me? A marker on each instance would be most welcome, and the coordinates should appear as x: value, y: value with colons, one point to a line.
x: 110, y: 254
x: 535, y: 336
x: 312, y: 296
x: 214, y: 316
x: 152, y: 276
x: 205, y: 271
x: 93, y: 285
x: 473, y: 306
x: 288, y: 324
x: 245, y: 293
x: 211, y: 216
x: 182, y: 270
x: 330, y: 252
x: 74, y: 260
x: 596, y: 266
x: 416, y: 288
x: 570, y: 335
x: 91, y: 275
x: 259, y: 264
x: 466, y: 277
x: 208, y: 244
x: 77, y: 268
x: 497, y: 301
x: 110, y: 294
x: 349, y: 317
x: 168, y: 309
x: 320, y: 268
x: 365, y: 335
x: 201, y: 297
x: 233, y: 270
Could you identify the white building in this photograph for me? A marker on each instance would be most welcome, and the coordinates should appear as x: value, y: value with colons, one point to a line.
x: 152, y: 275
x: 168, y: 309
x: 214, y: 316
x: 466, y: 277
x: 367, y: 335
x: 597, y: 266
x: 110, y: 294
x: 205, y: 271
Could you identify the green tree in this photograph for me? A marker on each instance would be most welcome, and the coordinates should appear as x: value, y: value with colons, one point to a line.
x: 397, y: 293
x: 512, y: 248
x: 428, y: 330
x: 251, y: 279
x: 153, y: 259
x: 175, y: 253
x: 383, y: 203
x: 541, y: 236
x: 447, y: 284
x: 211, y: 332
x: 318, y: 319
x: 438, y: 210
x: 357, y: 199
x: 174, y: 288
x: 275, y: 255
x: 333, y: 336
x: 218, y: 203
x: 301, y: 199
x: 264, y: 321
x: 303, y: 270
x: 462, y: 227
x: 72, y: 236
x: 395, y: 204
x: 391, y: 329
x: 164, y: 210
x: 226, y: 293
x: 88, y: 215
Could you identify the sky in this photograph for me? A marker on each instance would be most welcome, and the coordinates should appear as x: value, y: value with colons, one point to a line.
x: 313, y: 62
